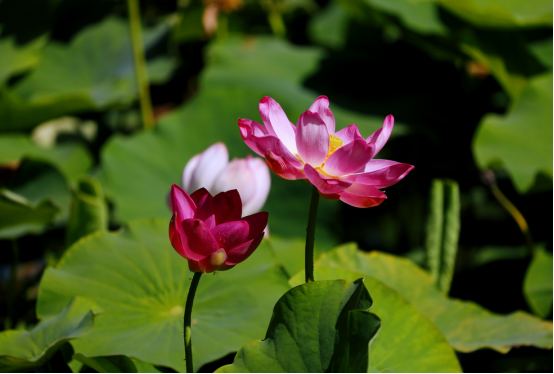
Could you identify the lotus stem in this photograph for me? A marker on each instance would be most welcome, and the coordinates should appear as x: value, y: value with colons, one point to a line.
x: 310, y: 236
x: 187, y: 321
x: 140, y: 64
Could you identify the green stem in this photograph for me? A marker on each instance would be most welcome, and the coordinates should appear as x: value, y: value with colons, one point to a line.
x: 186, y: 321
x: 140, y: 64
x: 11, y: 286
x: 276, y: 23
x: 310, y: 236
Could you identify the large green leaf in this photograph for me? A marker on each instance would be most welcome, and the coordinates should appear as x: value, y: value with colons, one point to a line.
x: 502, y: 13
x: 72, y: 159
x: 521, y: 140
x: 89, y: 211
x: 94, y: 71
x: 419, y: 16
x: 141, y: 283
x: 407, y: 341
x: 466, y: 325
x: 23, y: 350
x: 17, y: 59
x: 108, y: 364
x: 317, y: 327
x: 239, y: 73
x: 537, y: 286
x: 18, y: 216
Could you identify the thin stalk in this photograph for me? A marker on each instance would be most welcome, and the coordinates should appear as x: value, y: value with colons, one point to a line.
x: 310, y: 236
x: 276, y: 22
x: 187, y: 320
x: 516, y: 214
x: 11, y: 286
x: 140, y: 64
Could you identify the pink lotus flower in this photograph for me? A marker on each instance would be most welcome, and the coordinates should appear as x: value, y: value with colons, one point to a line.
x: 212, y: 170
x: 209, y: 231
x: 340, y: 164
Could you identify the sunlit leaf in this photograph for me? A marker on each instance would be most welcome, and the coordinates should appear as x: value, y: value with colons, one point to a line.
x: 18, y: 59
x: 466, y: 325
x: 24, y: 350
x: 141, y: 284
x: 521, y: 140
x: 18, y: 216
x: 108, y: 364
x: 317, y: 327
x: 407, y: 341
x: 537, y: 286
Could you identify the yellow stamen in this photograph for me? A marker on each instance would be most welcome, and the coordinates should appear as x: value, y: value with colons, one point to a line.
x: 334, y: 143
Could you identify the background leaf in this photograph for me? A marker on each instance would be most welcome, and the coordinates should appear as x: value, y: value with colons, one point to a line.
x: 537, y: 286
x: 520, y: 141
x: 140, y: 283
x: 24, y: 350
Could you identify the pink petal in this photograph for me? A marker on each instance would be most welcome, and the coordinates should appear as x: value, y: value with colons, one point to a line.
x: 384, y: 177
x: 197, y: 195
x: 212, y: 161
x: 321, y: 107
x: 360, y: 201
x: 193, y: 266
x: 365, y: 191
x: 277, y: 123
x: 181, y: 203
x: 377, y: 164
x: 197, y: 240
x: 249, y: 129
x: 175, y: 237
x: 237, y: 175
x: 312, y: 139
x: 227, y: 207
x: 256, y: 224
x: 230, y: 234
x: 325, y: 184
x: 282, y: 167
x: 349, y: 134
x: 262, y: 183
x: 243, y: 251
x: 381, y: 136
x: 348, y: 159
x: 213, y: 262
x: 271, y: 143
x: 205, y: 211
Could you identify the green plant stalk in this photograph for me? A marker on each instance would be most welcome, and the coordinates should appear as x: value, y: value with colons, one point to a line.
x: 187, y: 321
x: 310, y: 236
x: 276, y: 22
x: 516, y: 214
x: 140, y: 64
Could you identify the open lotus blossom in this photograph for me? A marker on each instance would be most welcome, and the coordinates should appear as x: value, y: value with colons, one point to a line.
x: 340, y: 164
x: 209, y: 231
x: 212, y: 170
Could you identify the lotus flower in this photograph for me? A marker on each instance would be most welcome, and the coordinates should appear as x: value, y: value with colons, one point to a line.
x: 340, y: 164
x: 209, y: 231
x: 212, y: 170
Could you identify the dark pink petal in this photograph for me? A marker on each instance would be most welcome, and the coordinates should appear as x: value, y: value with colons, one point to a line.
x: 381, y: 136
x: 271, y: 143
x: 282, y: 167
x: 227, y: 206
x: 384, y: 177
x: 213, y: 262
x: 174, y: 236
x: 230, y: 234
x: 360, y: 201
x: 193, y: 266
x: 321, y: 107
x: 325, y: 184
x: 348, y: 159
x: 349, y: 134
x: 365, y: 190
x: 312, y: 139
x: 197, y: 195
x: 243, y: 251
x: 205, y: 211
x: 181, y: 203
x: 197, y: 240
x: 277, y: 122
x: 377, y: 164
x: 256, y: 224
x: 249, y: 129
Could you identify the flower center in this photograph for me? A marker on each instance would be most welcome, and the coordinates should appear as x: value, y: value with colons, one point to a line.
x: 334, y: 143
